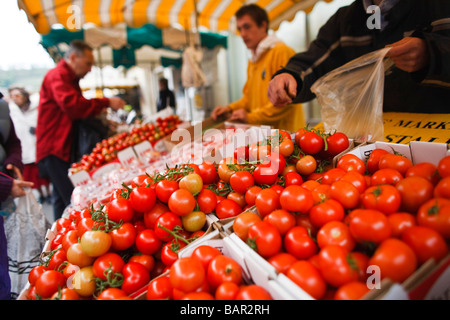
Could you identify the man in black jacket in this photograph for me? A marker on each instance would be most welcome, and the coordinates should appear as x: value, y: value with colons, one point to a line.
x: 418, y: 32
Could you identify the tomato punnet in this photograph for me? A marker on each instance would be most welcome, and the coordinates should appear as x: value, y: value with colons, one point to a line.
x: 308, y: 277
x: 240, y: 181
x: 326, y: 211
x: 227, y: 208
x: 253, y: 292
x: 187, y: 274
x: 135, y: 277
x: 385, y: 198
x: 181, y: 202
x: 242, y: 222
x: 295, y: 198
x: 264, y: 238
x: 335, y: 233
x: 226, y: 291
x: 108, y: 264
x: 223, y: 269
x: 414, y: 192
x: 345, y: 193
x: 400, y: 221
x: 311, y: 142
x: 374, y: 159
x: 435, y: 213
x: 147, y: 242
x: 337, y: 143
x: 395, y: 161
x: 165, y: 188
x: 169, y: 221
x: 396, y: 260
x: 299, y: 243
x: 368, y: 225
x: 159, y: 289
x: 95, y: 242
x: 350, y: 162
x: 142, y: 199
x: 207, y: 200
x: 267, y: 201
x: 120, y: 209
x: 354, y: 290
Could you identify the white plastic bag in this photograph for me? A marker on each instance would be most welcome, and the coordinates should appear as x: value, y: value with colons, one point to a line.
x: 351, y: 97
x: 25, y: 231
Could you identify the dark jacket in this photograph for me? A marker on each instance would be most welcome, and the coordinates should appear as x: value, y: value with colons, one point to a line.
x: 346, y: 37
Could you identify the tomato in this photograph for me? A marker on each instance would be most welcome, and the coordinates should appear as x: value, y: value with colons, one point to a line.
x: 181, y: 202
x: 414, y: 192
x: 354, y: 290
x: 251, y: 194
x: 282, y: 261
x: 310, y: 184
x: 426, y: 243
x: 291, y: 178
x: 187, y: 274
x: 253, y: 292
x: 400, y: 221
x: 356, y: 179
x: 225, y: 170
x: 296, y: 199
x: 286, y: 147
x: 226, y: 291
x: 62, y: 223
x: 135, y: 276
x: 267, y: 201
x: 151, y: 215
x: 84, y: 225
x: 223, y: 269
x: 241, y: 154
x: 192, y: 182
x: 239, y: 198
x: 385, y: 198
x: 442, y: 188
x: 159, y: 289
x: 227, y: 208
x: 147, y: 242
x: 326, y: 211
x: 69, y: 238
x: 35, y: 273
x: 194, y: 221
x: 332, y: 175
x: 165, y: 188
x: 240, y: 181
x: 266, y: 173
x: 281, y: 219
x: 258, y: 151
x: 396, y: 260
x: 169, y: 221
x: 435, y: 213
x: 57, y: 259
x: 321, y: 193
x: 374, y: 159
x: 264, y: 238
x: 345, y: 193
x: 298, y: 134
x: 385, y: 176
x: 395, y: 161
x: 142, y: 199
x: 426, y: 170
x: 444, y: 167
x: 148, y: 261
x: 120, y: 209
x: 337, y: 143
x: 123, y: 237
x: 311, y: 143
x: 112, y: 294
x: 95, y: 242
x: 83, y: 281
x: 242, y: 222
x: 368, y: 225
x: 77, y: 256
x: 335, y: 233
x: 206, y: 201
x: 208, y: 172
x: 105, y: 266
x: 299, y: 243
x: 205, y: 253
x: 308, y: 277
x: 65, y: 294
x: 350, y: 162
x: 200, y: 295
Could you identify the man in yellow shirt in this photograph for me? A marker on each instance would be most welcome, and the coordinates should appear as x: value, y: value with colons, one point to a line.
x: 268, y: 54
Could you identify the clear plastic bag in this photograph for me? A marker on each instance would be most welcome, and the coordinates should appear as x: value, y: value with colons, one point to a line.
x: 351, y: 97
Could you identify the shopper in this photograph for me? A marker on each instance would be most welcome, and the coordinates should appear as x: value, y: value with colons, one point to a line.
x: 24, y: 115
x: 268, y: 53
x: 11, y: 186
x: 166, y: 96
x: 61, y: 103
x: 419, y: 34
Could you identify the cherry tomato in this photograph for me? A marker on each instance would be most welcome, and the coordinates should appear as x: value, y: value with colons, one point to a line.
x: 205, y: 254
x: 345, y: 193
x: 349, y: 162
x: 192, y: 182
x: 83, y: 281
x: 223, y: 269
x: 112, y: 294
x: 95, y: 242
x: 354, y: 290
x: 148, y: 261
x: 148, y: 242
x: 208, y: 172
x: 400, y: 221
x: 337, y: 143
x: 159, y: 289
x: 267, y: 201
x: 435, y: 213
x: 296, y: 199
x: 181, y: 202
x: 282, y: 261
x: 281, y: 219
x: 242, y: 222
x: 264, y: 238
x: 385, y: 176
x: 266, y: 173
x: 193, y: 221
x: 251, y: 194
x: 35, y: 273
x: 120, y: 209
x: 151, y: 215
x: 207, y: 201
x: 227, y: 208
x: 444, y: 167
x: 299, y: 243
x: 142, y: 199
x: 135, y: 277
x: 426, y: 170
x: 65, y: 294
x: 240, y: 181
x: 226, y: 291
x: 169, y: 221
x: 311, y: 143
x: 374, y: 159
x: 165, y: 188
x: 77, y: 256
x: 169, y: 251
x: 292, y: 178
x: 187, y: 274
x: 107, y: 265
x: 395, y: 161
x: 442, y: 188
x: 123, y: 237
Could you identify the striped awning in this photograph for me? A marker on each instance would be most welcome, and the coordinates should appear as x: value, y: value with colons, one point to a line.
x: 212, y: 15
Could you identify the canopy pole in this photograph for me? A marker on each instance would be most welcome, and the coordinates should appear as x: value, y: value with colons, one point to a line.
x: 101, y: 70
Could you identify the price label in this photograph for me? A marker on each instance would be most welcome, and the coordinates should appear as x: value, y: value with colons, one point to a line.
x: 80, y: 178
x: 127, y: 157
x: 143, y: 150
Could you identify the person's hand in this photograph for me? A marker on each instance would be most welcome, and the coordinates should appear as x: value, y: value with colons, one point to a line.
x: 16, y: 171
x: 409, y: 54
x: 239, y: 115
x: 219, y: 111
x: 282, y: 89
x: 116, y: 103
x: 18, y: 187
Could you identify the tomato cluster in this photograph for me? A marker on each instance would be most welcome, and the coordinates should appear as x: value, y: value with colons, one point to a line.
x: 206, y: 274
x: 324, y: 234
x: 106, y: 150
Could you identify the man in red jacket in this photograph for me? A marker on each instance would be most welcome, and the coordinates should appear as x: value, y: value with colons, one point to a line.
x: 61, y: 103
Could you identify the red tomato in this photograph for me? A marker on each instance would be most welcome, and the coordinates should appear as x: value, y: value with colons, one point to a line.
x: 251, y: 194
x: 120, y: 209
x: 426, y: 170
x: 281, y: 219
x: 148, y: 261
x: 223, y: 269
x: 65, y: 294
x: 165, y: 188
x: 337, y: 143
x: 282, y: 261
x: 426, y: 243
x: 299, y: 243
x: 227, y: 208
x: 385, y: 176
x: 264, y: 238
x: 332, y: 175
x: 351, y: 291
x: 123, y: 237
x: 207, y: 201
x: 368, y: 225
x: 266, y: 173
x: 148, y: 242
x: 135, y: 277
x: 345, y: 193
x: 159, y: 289
x: 181, y: 202
x: 311, y: 143
x: 267, y: 201
x: 187, y: 274
x: 169, y: 221
x: 69, y: 238
x: 374, y: 159
x: 35, y: 273
x: 112, y: 294
x: 296, y: 199
x: 107, y: 265
x: 356, y: 179
x: 395, y: 161
x: 400, y: 221
x: 326, y: 211
x: 241, y: 154
x: 435, y: 213
x: 291, y: 178
x: 350, y: 162
x: 385, y: 198
x: 396, y: 260
x: 306, y: 165
x: 444, y: 167
x: 240, y: 181
x: 205, y: 254
x: 142, y: 199
x: 308, y: 277
x: 49, y: 282
x: 169, y: 251
x: 253, y: 292
x: 226, y: 291
x: 57, y: 259
x: 242, y: 222
x: 200, y: 295
x: 414, y: 192
x: 335, y: 233
x: 442, y: 188
x: 151, y: 215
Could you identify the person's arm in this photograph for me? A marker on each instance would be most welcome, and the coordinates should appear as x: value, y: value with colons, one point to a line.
x: 13, y: 149
x: 5, y: 187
